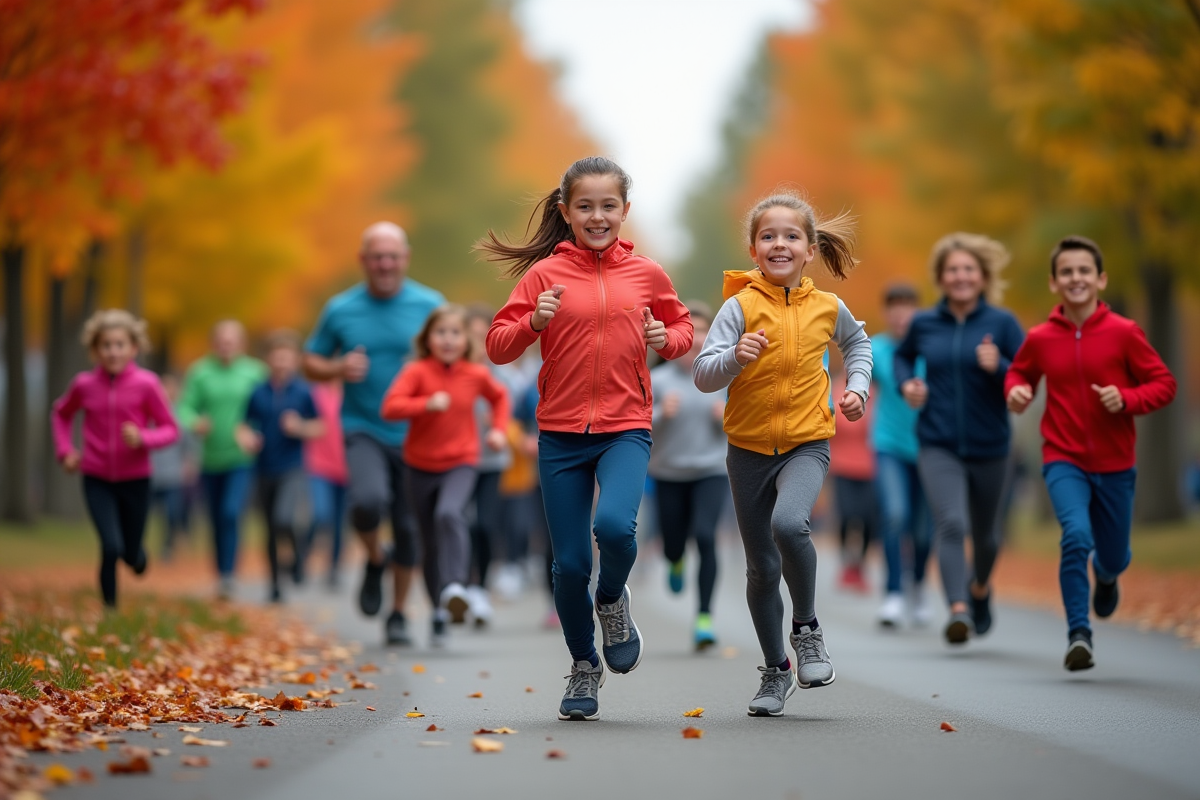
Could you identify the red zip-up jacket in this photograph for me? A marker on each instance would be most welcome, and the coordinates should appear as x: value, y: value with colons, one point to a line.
x: 594, y: 377
x: 438, y: 441
x: 1109, y: 350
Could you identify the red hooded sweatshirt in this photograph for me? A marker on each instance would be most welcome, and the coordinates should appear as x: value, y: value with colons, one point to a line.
x: 1109, y: 350
x: 594, y: 377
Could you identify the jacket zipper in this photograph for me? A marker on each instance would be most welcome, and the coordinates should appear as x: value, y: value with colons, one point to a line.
x: 1083, y: 387
x: 594, y: 395
x: 785, y: 377
x: 958, y: 387
x: 112, y: 418
x: 641, y: 383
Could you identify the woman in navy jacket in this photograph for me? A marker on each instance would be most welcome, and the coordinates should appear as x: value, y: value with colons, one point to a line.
x: 967, y: 344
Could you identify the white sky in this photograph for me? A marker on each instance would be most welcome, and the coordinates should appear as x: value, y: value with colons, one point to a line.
x: 652, y: 81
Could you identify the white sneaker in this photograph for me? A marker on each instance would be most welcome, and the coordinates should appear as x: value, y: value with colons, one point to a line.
x: 481, y: 605
x: 508, y: 583
x: 454, y: 601
x: 891, y: 613
x: 922, y: 613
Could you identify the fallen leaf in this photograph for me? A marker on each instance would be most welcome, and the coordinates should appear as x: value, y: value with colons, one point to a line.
x: 357, y: 684
x: 190, y: 728
x: 184, y: 673
x: 405, y: 694
x: 370, y: 708
x: 485, y: 675
x: 58, y: 774
x: 133, y: 766
x: 935, y: 695
x: 485, y: 731
x: 729, y: 652
x: 529, y: 689
x: 414, y: 713
x: 327, y: 703
x: 475, y: 695
x: 368, y: 668
x: 261, y: 763
x: 307, y: 679
x: 486, y: 745
x: 194, y: 761
x: 947, y: 727
x: 161, y: 751
x: 433, y: 727
x: 695, y: 712
x: 189, y: 739
x: 268, y: 723
x: 138, y: 726
x: 693, y: 733
x: 555, y: 754
x: 241, y: 725
x: 285, y: 703
x: 84, y: 775
x: 418, y: 669
x: 433, y: 744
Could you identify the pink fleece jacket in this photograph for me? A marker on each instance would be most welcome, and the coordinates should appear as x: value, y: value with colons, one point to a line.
x: 108, y: 402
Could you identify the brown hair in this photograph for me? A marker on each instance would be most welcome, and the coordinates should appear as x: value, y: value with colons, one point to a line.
x: 834, y: 237
x: 283, y: 339
x: 1076, y: 243
x: 991, y: 256
x: 700, y: 310
x: 115, y: 319
x: 421, y: 343
x: 552, y: 228
x: 901, y: 293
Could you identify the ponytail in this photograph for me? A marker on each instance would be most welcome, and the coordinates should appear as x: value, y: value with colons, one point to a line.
x: 552, y: 228
x: 834, y: 237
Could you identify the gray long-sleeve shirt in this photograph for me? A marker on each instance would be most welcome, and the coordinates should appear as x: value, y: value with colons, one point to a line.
x: 691, y: 444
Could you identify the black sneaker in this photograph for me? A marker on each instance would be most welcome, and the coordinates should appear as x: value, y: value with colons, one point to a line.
x: 439, y: 633
x: 1105, y: 598
x: 396, y: 630
x: 1079, y: 651
x: 981, y: 613
x: 370, y: 596
x: 141, y: 562
x: 958, y: 628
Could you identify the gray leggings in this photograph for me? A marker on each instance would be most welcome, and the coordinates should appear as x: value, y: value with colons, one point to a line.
x: 963, y: 495
x: 439, y: 500
x: 773, y: 497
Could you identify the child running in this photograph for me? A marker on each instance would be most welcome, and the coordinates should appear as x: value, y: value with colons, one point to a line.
x: 1100, y: 372
x: 688, y: 467
x: 125, y: 415
x: 437, y: 392
x: 596, y: 307
x: 767, y: 345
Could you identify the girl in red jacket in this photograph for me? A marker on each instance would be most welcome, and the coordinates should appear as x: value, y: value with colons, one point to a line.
x: 1100, y: 371
x: 595, y: 307
x: 437, y: 392
x: 125, y: 415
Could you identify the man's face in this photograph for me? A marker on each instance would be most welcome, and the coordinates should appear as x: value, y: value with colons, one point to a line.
x: 228, y: 342
x: 385, y: 263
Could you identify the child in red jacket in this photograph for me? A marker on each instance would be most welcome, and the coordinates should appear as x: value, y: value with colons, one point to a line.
x: 1100, y: 372
x: 595, y: 307
x: 438, y: 393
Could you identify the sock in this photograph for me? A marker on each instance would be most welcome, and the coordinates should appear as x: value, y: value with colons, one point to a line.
x: 798, y: 624
x: 784, y: 665
x: 604, y: 599
x: 704, y: 621
x: 593, y: 659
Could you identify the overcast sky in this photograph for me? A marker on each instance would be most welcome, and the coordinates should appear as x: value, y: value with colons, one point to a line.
x: 652, y: 80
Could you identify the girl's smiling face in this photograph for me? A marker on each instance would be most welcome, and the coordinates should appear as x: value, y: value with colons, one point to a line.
x: 781, y: 248
x: 448, y: 339
x: 595, y: 211
x: 115, y: 349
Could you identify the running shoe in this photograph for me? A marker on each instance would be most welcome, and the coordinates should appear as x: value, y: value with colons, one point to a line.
x: 852, y: 579
x: 439, y: 631
x: 958, y: 628
x: 581, y: 701
x: 891, y: 613
x: 395, y: 630
x: 454, y: 600
x: 1105, y: 598
x: 226, y: 587
x: 813, y: 667
x: 776, y: 686
x: 1079, y: 651
x: 981, y: 613
x: 370, y: 595
x: 922, y: 610
x: 675, y: 576
x: 140, y: 563
x: 480, y: 606
x: 702, y: 633
x: 551, y: 622
x: 622, y: 642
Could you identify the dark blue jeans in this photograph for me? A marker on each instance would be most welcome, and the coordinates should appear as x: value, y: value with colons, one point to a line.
x: 328, y: 514
x: 903, y: 514
x: 226, y: 493
x: 1095, y: 510
x: 570, y: 466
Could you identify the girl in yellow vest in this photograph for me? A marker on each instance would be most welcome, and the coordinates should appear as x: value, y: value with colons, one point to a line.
x: 767, y: 344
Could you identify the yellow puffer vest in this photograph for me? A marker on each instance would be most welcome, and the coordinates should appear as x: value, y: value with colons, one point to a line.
x: 781, y: 400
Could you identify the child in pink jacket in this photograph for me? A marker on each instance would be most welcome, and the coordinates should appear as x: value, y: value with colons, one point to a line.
x: 125, y: 415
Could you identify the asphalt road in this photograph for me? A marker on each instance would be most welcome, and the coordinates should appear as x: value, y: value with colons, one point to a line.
x: 1026, y: 728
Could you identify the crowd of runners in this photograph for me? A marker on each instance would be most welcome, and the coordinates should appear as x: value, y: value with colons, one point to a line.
x: 454, y: 447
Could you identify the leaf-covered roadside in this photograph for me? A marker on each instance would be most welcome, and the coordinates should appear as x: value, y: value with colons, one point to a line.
x: 73, y: 676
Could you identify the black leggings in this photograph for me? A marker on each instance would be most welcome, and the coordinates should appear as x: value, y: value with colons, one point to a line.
x: 278, y: 495
x: 488, y: 526
x: 691, y: 510
x: 118, y: 510
x: 856, y: 507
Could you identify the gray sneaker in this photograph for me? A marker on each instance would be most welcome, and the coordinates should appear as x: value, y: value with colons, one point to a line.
x: 776, y: 687
x: 581, y: 700
x: 813, y: 667
x: 622, y: 649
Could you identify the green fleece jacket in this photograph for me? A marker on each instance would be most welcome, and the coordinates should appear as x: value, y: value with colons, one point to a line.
x: 219, y: 392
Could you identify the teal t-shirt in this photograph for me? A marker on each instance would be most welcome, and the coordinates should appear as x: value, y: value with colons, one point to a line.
x: 894, y: 424
x: 385, y: 329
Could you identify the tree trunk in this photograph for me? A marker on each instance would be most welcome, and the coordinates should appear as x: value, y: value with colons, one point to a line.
x: 17, y: 505
x: 137, y: 267
x: 1160, y: 439
x: 59, y: 488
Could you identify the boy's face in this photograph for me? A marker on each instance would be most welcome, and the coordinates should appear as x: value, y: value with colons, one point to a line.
x: 898, y: 316
x: 283, y: 362
x: 1076, y: 279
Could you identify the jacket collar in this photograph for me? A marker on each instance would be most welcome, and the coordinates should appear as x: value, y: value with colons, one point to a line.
x: 737, y: 280
x: 943, y: 308
x: 616, y: 252
x: 101, y: 372
x: 1059, y: 318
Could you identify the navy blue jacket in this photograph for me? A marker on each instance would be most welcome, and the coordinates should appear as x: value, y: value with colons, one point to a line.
x: 965, y: 412
x: 280, y: 453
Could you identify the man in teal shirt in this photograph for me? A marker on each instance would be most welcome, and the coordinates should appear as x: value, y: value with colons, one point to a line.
x: 215, y: 393
x: 363, y: 337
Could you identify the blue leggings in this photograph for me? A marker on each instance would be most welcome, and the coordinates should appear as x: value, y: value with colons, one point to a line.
x: 570, y: 466
x: 226, y: 493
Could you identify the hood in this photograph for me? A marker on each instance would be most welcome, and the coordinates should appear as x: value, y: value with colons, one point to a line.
x: 1059, y: 318
x: 736, y: 280
x: 617, y: 252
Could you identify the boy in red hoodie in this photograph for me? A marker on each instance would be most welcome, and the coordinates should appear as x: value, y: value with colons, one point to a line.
x: 1100, y: 372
